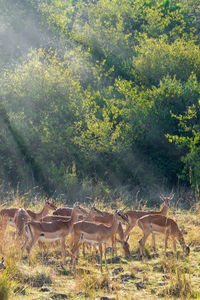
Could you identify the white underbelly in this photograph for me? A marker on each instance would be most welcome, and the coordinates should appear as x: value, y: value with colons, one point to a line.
x: 89, y: 241
x: 48, y: 239
x: 156, y: 232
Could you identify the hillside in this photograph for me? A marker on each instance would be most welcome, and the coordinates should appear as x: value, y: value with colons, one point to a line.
x: 100, y: 97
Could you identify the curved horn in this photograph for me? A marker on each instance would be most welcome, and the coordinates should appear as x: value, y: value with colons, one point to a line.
x: 136, y: 197
x: 122, y: 210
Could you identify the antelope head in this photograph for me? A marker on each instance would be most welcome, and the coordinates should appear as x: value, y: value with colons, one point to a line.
x: 125, y: 246
x: 96, y: 212
x: 124, y: 218
x: 167, y: 200
x: 79, y: 210
x: 49, y: 204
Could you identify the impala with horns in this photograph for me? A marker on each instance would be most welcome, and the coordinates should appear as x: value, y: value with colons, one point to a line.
x: 135, y: 215
x: 95, y: 233
x: 158, y: 224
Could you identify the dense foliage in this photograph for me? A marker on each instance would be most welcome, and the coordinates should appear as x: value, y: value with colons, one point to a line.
x: 100, y: 93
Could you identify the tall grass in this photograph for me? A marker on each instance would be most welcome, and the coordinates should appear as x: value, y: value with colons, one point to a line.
x: 7, y: 285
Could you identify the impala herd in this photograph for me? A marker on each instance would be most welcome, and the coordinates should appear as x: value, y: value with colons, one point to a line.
x: 90, y: 228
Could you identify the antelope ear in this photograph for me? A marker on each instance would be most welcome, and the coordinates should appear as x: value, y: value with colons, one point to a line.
x: 2, y: 260
x: 171, y: 196
x: 189, y: 244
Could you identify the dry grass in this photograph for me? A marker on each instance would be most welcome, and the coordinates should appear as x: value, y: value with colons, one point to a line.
x: 157, y: 277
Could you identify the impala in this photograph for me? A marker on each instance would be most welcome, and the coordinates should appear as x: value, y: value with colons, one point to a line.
x: 47, y: 207
x: 95, y: 233
x: 135, y: 215
x: 50, y: 231
x: 107, y: 220
x: 65, y: 211
x: 24, y: 216
x: 55, y: 218
x: 158, y: 224
x: 7, y: 216
x: 86, y: 216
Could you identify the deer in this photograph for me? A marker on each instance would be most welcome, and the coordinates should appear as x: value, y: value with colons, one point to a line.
x: 158, y: 224
x: 135, y: 215
x: 24, y: 216
x: 95, y: 233
x: 51, y: 231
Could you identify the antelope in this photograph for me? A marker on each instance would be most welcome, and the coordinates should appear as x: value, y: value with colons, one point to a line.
x: 158, y: 224
x: 7, y: 217
x: 37, y: 216
x: 55, y: 218
x: 50, y: 231
x: 24, y: 216
x: 20, y: 219
x: 95, y: 233
x: 86, y: 216
x: 107, y: 220
x: 64, y: 211
x: 135, y: 215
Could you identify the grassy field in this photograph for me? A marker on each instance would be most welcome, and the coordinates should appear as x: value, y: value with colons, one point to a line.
x: 158, y: 276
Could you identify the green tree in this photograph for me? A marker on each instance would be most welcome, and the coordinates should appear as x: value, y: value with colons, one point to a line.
x: 189, y: 139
